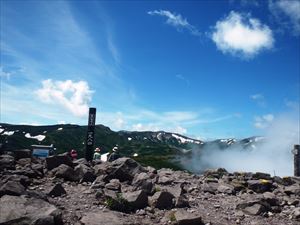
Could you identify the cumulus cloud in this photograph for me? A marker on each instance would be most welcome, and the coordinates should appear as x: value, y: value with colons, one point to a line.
x: 264, y: 121
x: 73, y: 96
x: 176, y: 20
x: 241, y: 35
x: 287, y: 13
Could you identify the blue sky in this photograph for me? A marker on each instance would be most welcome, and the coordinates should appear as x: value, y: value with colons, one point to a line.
x: 206, y: 69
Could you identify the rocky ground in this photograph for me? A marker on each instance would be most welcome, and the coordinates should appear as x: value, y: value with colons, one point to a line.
x: 58, y: 191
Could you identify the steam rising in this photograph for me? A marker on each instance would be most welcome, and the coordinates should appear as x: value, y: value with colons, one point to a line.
x: 272, y: 156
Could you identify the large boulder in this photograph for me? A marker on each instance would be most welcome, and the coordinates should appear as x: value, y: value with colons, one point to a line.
x: 136, y: 199
x: 12, y: 188
x: 84, y: 173
x: 23, y: 210
x: 66, y: 172
x: 142, y: 181
x: 57, y: 160
x: 162, y: 200
x: 260, y: 186
x: 7, y: 162
x: 254, y: 206
x: 124, y: 169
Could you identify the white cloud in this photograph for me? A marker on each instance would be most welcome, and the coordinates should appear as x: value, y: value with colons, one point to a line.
x: 241, y: 35
x: 259, y: 99
x: 264, y: 121
x: 4, y: 74
x: 156, y: 127
x: 176, y: 20
x: 73, y: 96
x: 287, y: 13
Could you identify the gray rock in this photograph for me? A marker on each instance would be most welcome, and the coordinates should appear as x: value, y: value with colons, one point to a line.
x: 217, y: 173
x: 57, y: 160
x: 165, y: 180
x: 103, y: 218
x: 114, y: 185
x: 260, y: 186
x: 210, y: 187
x: 142, y: 181
x: 292, y: 190
x: 66, y: 172
x: 162, y: 200
x: 185, y: 218
x: 57, y: 190
x: 12, y: 188
x: 255, y: 209
x: 103, y: 168
x: 80, y: 161
x: 253, y: 206
x: 259, y: 175
x: 84, y: 173
x: 271, y: 198
x: 124, y: 169
x: 24, y: 161
x: 296, y: 213
x: 22, y: 210
x: 38, y: 167
x: 136, y: 199
x: 7, y: 162
x: 182, y: 202
x: 226, y: 189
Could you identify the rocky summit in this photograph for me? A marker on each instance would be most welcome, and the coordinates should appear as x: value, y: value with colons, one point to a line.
x: 57, y: 191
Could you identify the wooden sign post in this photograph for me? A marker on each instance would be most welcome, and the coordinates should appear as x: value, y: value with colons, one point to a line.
x: 90, y: 136
x: 296, y: 152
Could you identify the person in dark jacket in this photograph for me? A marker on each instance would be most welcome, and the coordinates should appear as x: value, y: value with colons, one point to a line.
x: 114, y: 155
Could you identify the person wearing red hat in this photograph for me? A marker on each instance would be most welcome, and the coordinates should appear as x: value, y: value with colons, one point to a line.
x: 73, y: 154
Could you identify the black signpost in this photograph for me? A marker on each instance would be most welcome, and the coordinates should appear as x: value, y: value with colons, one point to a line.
x: 90, y: 135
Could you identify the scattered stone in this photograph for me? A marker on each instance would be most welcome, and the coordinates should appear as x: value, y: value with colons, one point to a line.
x: 57, y: 190
x: 7, y: 162
x: 103, y: 218
x: 185, y: 218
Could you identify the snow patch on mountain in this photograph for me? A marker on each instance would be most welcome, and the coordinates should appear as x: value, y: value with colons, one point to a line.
x: 182, y: 139
x: 8, y: 133
x: 39, y: 137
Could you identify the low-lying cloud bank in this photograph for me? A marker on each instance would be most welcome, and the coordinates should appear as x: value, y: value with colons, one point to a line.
x: 273, y: 156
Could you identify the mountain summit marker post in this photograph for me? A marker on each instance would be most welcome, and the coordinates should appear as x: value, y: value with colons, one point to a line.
x: 90, y: 136
x: 296, y: 152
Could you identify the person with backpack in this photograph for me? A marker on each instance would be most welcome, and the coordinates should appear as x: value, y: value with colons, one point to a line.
x: 114, y: 155
x: 97, y: 154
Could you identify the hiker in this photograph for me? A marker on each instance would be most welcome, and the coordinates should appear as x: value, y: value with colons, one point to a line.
x: 73, y: 154
x: 97, y: 154
x: 114, y: 155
